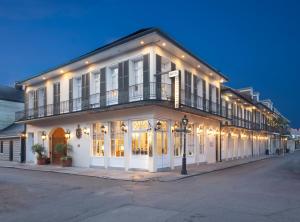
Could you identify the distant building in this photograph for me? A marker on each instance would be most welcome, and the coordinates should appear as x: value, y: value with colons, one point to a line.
x: 11, y: 101
x: 12, y: 143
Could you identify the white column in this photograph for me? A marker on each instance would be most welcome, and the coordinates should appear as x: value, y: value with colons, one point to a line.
x: 171, y: 143
x: 127, y: 144
x: 106, y: 145
x: 153, y: 166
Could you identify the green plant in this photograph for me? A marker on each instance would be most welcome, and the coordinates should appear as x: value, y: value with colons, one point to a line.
x: 66, y: 158
x: 63, y: 149
x: 39, y: 149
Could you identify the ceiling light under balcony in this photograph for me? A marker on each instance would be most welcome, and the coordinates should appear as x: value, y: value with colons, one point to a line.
x: 142, y: 42
x: 163, y: 44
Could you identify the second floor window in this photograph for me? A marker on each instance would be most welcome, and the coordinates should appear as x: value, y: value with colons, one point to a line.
x: 114, y: 78
x: 77, y: 88
x: 137, y: 72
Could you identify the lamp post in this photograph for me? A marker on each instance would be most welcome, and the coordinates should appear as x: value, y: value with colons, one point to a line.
x: 184, y: 130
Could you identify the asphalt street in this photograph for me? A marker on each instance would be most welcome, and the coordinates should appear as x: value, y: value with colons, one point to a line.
x: 267, y: 190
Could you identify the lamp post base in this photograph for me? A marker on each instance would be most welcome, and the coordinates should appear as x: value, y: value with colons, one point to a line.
x: 183, y: 168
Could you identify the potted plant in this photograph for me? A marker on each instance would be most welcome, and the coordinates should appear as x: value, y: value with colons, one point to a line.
x: 39, y: 150
x: 64, y: 149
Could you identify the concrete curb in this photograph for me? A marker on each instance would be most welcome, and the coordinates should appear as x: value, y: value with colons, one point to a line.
x: 158, y: 179
x: 76, y: 174
x: 215, y: 170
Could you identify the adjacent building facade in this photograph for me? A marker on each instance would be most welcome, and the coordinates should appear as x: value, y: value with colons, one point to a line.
x: 120, y: 105
x: 12, y: 143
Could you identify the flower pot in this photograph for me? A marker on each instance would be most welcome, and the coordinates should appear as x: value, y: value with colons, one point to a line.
x: 66, y: 162
x: 41, y: 161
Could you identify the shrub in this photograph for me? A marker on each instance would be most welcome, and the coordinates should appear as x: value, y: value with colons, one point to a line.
x: 39, y: 149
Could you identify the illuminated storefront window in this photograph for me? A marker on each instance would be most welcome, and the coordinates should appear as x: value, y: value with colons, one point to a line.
x: 98, y: 140
x: 141, y: 139
x: 190, y: 141
x: 117, y: 139
x: 177, y: 144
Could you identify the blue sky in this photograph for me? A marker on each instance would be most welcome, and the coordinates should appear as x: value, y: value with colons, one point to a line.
x: 253, y: 42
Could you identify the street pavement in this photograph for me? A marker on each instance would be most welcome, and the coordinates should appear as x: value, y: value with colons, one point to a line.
x: 266, y: 190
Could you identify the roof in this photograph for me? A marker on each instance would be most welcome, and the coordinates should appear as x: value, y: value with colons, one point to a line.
x: 132, y: 36
x: 13, y: 130
x: 11, y: 94
x: 239, y: 94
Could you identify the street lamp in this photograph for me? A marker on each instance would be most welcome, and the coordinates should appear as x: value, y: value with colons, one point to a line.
x: 184, y: 130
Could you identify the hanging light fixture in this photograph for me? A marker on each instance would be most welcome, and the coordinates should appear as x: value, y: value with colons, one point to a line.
x: 123, y: 127
x: 158, y: 125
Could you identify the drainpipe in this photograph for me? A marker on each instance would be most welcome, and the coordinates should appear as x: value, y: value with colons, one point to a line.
x: 220, y: 140
x: 252, y: 143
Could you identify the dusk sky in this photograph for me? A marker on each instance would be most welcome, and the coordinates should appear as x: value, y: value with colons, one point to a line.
x: 254, y: 43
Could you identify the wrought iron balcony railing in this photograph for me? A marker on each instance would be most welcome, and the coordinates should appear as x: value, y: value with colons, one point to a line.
x: 135, y: 93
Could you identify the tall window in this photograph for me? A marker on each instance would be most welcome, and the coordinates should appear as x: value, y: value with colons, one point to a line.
x: 190, y: 141
x: 41, y: 100
x: 30, y: 103
x: 200, y: 136
x: 138, y: 72
x: 136, y: 81
x: 177, y: 144
x: 114, y: 78
x: 98, y: 140
x: 1, y: 146
x: 117, y: 139
x: 165, y: 79
x: 162, y: 139
x: 112, y: 85
x: 141, y: 139
x: 77, y: 94
x: 95, y: 97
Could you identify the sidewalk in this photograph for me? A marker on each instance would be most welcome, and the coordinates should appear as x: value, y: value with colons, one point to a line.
x: 135, y: 176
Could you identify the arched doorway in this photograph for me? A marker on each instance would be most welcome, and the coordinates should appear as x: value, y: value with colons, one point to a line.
x: 58, y: 136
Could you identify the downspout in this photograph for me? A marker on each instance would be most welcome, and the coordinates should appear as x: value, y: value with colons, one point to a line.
x: 252, y: 143
x: 220, y: 139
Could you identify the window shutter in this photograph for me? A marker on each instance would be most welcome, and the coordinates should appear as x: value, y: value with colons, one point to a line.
x: 56, y: 98
x: 226, y: 109
x: 146, y: 77
x: 103, y: 87
x: 82, y: 91
x: 210, y: 97
x: 126, y: 81
x: 204, y: 94
x: 195, y: 81
x: 218, y: 100
x: 158, y: 77
x: 188, y: 83
x: 45, y: 101
x: 173, y: 67
x: 87, y: 90
x: 71, y: 95
x: 35, y: 104
x: 120, y: 83
x: 26, y: 104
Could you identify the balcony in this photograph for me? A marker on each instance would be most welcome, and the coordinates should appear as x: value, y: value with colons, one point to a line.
x: 248, y: 124
x: 111, y: 98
